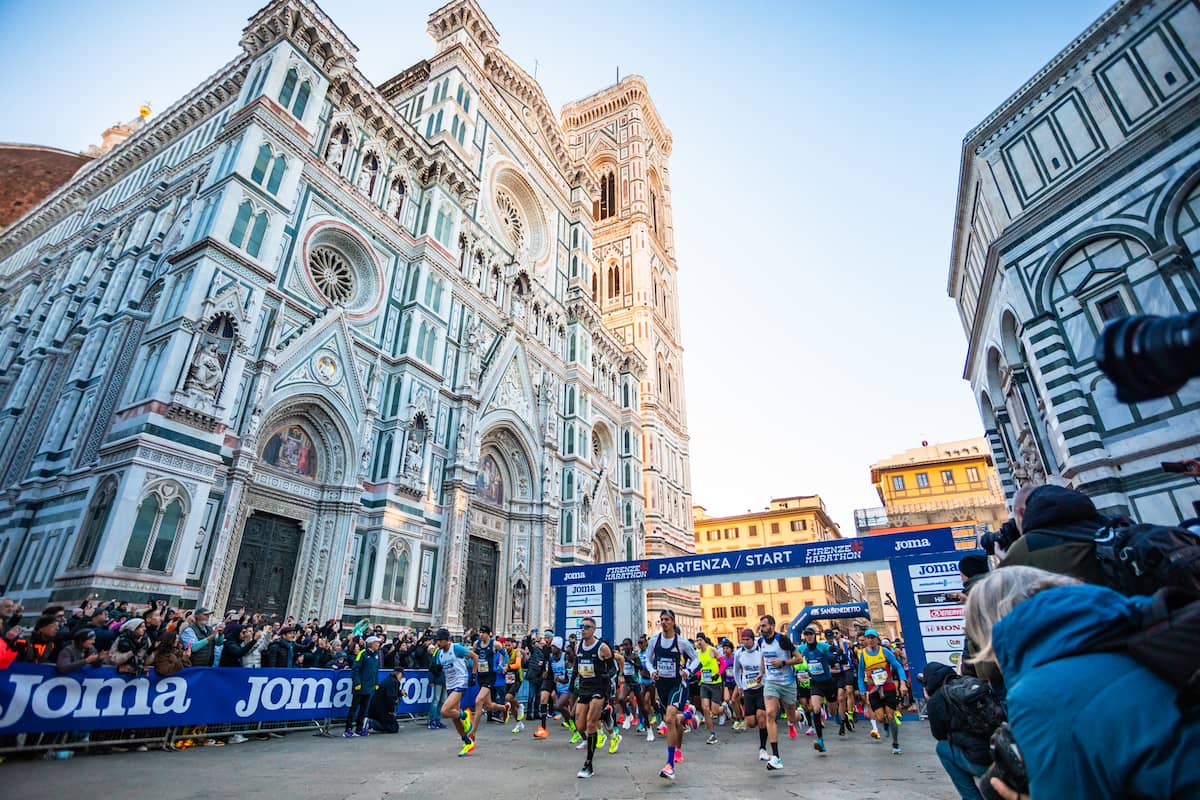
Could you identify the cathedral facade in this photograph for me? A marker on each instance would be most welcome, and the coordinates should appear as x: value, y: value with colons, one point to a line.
x: 318, y: 347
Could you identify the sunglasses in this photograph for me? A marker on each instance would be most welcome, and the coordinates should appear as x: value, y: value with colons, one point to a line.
x: 587, y: 627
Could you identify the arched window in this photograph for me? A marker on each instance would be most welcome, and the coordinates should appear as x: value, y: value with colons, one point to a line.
x: 240, y: 223
x: 301, y: 100
x: 628, y: 517
x: 568, y: 531
x: 256, y: 234
x: 606, y: 206
x: 571, y: 347
x: 595, y: 290
x: 261, y: 163
x: 288, y: 89
x: 628, y: 483
x: 395, y: 572
x: 574, y: 266
x: 625, y: 441
x: 159, y: 520
x: 629, y: 549
x: 654, y: 211
x: 383, y: 457
x: 625, y: 397
x: 94, y: 524
x: 568, y: 485
x: 277, y: 170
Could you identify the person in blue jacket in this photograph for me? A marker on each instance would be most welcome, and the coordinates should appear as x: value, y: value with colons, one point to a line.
x: 1088, y: 724
x: 364, y: 677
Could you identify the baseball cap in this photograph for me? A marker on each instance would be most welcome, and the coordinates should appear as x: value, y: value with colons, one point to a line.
x: 371, y: 639
x: 747, y: 632
x: 201, y: 610
x: 442, y: 634
x: 871, y: 632
x: 811, y: 630
x: 485, y: 628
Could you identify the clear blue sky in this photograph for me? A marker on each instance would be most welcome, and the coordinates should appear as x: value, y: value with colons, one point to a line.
x: 813, y: 177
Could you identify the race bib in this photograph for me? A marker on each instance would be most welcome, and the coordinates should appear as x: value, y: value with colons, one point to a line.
x: 510, y: 677
x: 816, y: 668
x: 879, y: 676
x: 628, y: 668
x: 706, y: 675
x: 667, y: 668
x: 587, y: 669
x: 484, y: 666
x: 753, y: 679
x: 802, y: 676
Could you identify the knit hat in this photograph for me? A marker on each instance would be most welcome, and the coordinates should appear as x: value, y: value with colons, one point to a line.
x: 132, y: 625
x: 972, y: 565
x: 747, y: 632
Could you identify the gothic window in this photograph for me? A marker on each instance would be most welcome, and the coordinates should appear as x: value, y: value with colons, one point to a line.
x: 595, y: 289
x: 395, y: 572
x: 568, y: 485
x: 625, y: 441
x: 406, y: 332
x: 94, y: 524
x: 245, y: 220
x: 597, y: 450
x: 606, y: 206
x: 331, y: 273
x: 628, y: 516
x: 568, y: 528
x: 628, y: 482
x: 277, y: 170
x: 510, y: 218
x: 383, y: 457
x: 574, y: 266
x: 625, y: 398
x: 159, y: 520
x: 240, y: 223
x: 654, y: 211
x: 629, y: 549
x: 288, y: 90
x: 445, y: 225
x: 301, y: 103
x: 261, y: 164
x: 257, y: 232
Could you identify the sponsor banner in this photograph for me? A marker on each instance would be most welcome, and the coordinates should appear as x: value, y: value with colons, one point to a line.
x: 939, y: 613
x: 953, y: 658
x: 935, y: 569
x: 582, y: 589
x: 35, y: 699
x: 838, y: 611
x: 935, y: 598
x: 952, y: 583
x: 950, y: 627
x: 583, y: 611
x: 944, y: 642
x: 798, y: 556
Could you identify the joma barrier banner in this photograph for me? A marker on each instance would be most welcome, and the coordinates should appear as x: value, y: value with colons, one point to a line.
x: 34, y: 698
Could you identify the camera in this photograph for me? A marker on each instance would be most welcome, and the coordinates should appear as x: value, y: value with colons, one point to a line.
x: 1004, y: 538
x: 1148, y: 357
x: 1007, y: 764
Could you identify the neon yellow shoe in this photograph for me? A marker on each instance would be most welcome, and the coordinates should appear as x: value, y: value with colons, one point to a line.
x: 898, y: 723
x: 467, y: 719
x: 576, y: 738
x: 874, y: 734
x: 614, y: 742
x: 467, y: 749
x: 601, y: 740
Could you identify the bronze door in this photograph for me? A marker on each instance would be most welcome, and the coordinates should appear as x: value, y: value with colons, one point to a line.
x: 266, y: 564
x: 479, y: 598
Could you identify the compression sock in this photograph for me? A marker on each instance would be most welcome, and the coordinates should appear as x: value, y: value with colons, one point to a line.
x: 775, y: 749
x: 762, y: 738
x: 820, y: 726
x: 591, y: 748
x: 895, y: 736
x: 874, y: 724
x: 670, y: 756
x: 545, y: 713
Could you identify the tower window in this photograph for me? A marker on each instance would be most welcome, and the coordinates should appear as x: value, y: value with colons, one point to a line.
x: 607, y: 205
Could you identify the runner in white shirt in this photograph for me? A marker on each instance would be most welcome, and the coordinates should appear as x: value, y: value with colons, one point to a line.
x: 747, y: 672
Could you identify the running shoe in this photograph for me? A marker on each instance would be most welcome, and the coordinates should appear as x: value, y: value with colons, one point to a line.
x: 667, y: 772
x: 625, y: 724
x: 792, y: 732
x: 521, y: 714
x: 762, y: 755
x: 441, y: 726
x: 614, y: 742
x: 520, y: 726
x: 678, y: 756
x: 662, y: 729
x: 365, y: 730
x: 811, y: 731
x: 586, y: 772
x: 467, y: 749
x: 581, y: 745
x: 576, y: 738
x: 721, y: 720
x: 896, y: 750
x: 842, y: 728
x: 712, y: 739
x: 898, y: 722
x: 641, y: 728
x: 507, y: 714
x: 348, y: 733
x: 649, y: 734
x: 819, y: 745
x: 568, y: 724
x: 541, y: 733
x: 601, y: 740
x: 775, y: 763
x: 874, y: 734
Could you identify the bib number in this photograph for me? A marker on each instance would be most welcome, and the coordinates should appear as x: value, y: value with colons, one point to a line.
x: 628, y: 670
x: 816, y: 668
x: 706, y: 675
x: 587, y: 669
x: 753, y: 679
x: 510, y: 677
x: 667, y: 668
x: 879, y: 676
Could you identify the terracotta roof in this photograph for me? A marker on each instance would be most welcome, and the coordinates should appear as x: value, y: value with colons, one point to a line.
x: 28, y: 173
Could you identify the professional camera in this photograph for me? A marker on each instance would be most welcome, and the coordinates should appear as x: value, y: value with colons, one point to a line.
x: 1007, y: 764
x: 1003, y: 538
x: 1148, y: 357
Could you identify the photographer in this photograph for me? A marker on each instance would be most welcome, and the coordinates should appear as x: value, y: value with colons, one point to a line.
x: 1057, y: 525
x: 962, y: 729
x: 1035, y: 627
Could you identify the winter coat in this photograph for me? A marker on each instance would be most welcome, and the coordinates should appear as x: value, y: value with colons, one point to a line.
x: 128, y: 655
x: 384, y: 701
x: 72, y: 657
x: 1092, y: 725
x: 280, y: 654
x: 1056, y: 508
x: 234, y: 651
x: 253, y: 656
x: 169, y: 660
x: 364, y: 673
x: 944, y: 721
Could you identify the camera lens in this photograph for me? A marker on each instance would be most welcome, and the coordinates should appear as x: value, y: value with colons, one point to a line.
x: 1148, y: 357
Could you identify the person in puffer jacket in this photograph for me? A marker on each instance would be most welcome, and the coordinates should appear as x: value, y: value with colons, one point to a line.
x: 1088, y: 724
x: 964, y: 756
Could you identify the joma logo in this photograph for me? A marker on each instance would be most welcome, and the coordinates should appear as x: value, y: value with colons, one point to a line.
x: 911, y: 544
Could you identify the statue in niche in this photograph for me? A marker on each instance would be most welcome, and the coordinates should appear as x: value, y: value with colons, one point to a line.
x: 518, y: 605
x: 475, y: 349
x: 395, y: 199
x: 204, y: 375
x: 460, y: 441
x: 337, y: 149
x: 1029, y: 469
x: 413, y: 455
x: 366, y: 175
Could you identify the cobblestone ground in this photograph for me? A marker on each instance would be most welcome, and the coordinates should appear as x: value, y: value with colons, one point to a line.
x: 419, y: 763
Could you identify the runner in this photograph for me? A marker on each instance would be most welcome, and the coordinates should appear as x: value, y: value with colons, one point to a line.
x: 779, y: 685
x: 553, y: 666
x: 537, y: 666
x: 732, y: 701
x: 881, y: 672
x: 593, y: 668
x: 711, y: 683
x: 646, y: 696
x: 453, y: 660
x: 748, y: 673
x: 839, y: 665
x: 627, y: 694
x: 816, y: 655
x: 491, y: 678
x: 668, y: 650
x: 512, y: 685
x: 565, y: 682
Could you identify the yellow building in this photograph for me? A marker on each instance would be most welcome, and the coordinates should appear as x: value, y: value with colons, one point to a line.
x: 950, y: 484
x: 728, y: 607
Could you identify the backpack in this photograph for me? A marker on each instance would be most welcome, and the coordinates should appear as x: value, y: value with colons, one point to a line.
x: 975, y: 708
x: 1167, y: 643
x: 1140, y: 559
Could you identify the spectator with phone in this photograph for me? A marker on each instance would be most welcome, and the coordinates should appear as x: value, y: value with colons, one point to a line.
x: 201, y: 639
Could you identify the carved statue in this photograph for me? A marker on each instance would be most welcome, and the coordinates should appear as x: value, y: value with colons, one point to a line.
x: 545, y: 481
x: 394, y: 200
x: 475, y: 348
x: 413, y: 453
x: 518, y: 605
x: 1029, y: 470
x: 337, y: 152
x: 366, y: 177
x: 460, y: 441
x: 205, y: 373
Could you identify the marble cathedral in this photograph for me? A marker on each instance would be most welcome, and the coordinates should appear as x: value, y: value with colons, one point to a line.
x: 318, y: 347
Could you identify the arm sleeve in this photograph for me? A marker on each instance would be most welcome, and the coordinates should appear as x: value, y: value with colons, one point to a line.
x: 895, y: 662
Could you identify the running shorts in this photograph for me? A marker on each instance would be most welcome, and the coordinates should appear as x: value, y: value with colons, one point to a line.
x: 884, y: 697
x: 784, y: 692
x: 752, y: 701
x: 587, y: 691
x: 713, y: 692
x: 826, y: 689
x: 671, y: 693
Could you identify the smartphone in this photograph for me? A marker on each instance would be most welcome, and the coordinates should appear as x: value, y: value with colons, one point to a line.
x: 1173, y: 466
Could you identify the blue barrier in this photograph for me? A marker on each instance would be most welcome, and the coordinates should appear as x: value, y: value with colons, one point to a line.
x: 34, y: 698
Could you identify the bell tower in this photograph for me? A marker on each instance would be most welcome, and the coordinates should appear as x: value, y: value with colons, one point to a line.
x: 618, y: 133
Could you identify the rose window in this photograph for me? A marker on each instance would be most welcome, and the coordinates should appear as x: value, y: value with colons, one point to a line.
x: 332, y: 274
x: 510, y: 218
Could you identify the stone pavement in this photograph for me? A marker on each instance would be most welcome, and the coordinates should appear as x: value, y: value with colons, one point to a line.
x: 419, y: 763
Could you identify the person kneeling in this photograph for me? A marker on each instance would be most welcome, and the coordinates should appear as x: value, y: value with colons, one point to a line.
x: 381, y: 713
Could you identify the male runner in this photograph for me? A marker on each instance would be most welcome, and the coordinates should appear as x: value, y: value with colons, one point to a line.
x: 627, y: 704
x: 667, y: 651
x: 453, y: 660
x: 816, y: 656
x: 554, y: 664
x: 779, y: 686
x: 536, y: 657
x: 711, y: 683
x: 645, y: 687
x: 512, y: 684
x: 881, y: 677
x: 748, y: 672
x: 593, y: 664
x: 730, y: 702
x: 491, y: 679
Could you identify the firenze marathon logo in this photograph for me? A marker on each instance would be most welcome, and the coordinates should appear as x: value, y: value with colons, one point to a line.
x: 843, y: 551
x: 626, y: 572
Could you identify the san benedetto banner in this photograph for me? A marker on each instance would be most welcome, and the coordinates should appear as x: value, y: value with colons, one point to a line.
x: 34, y: 698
